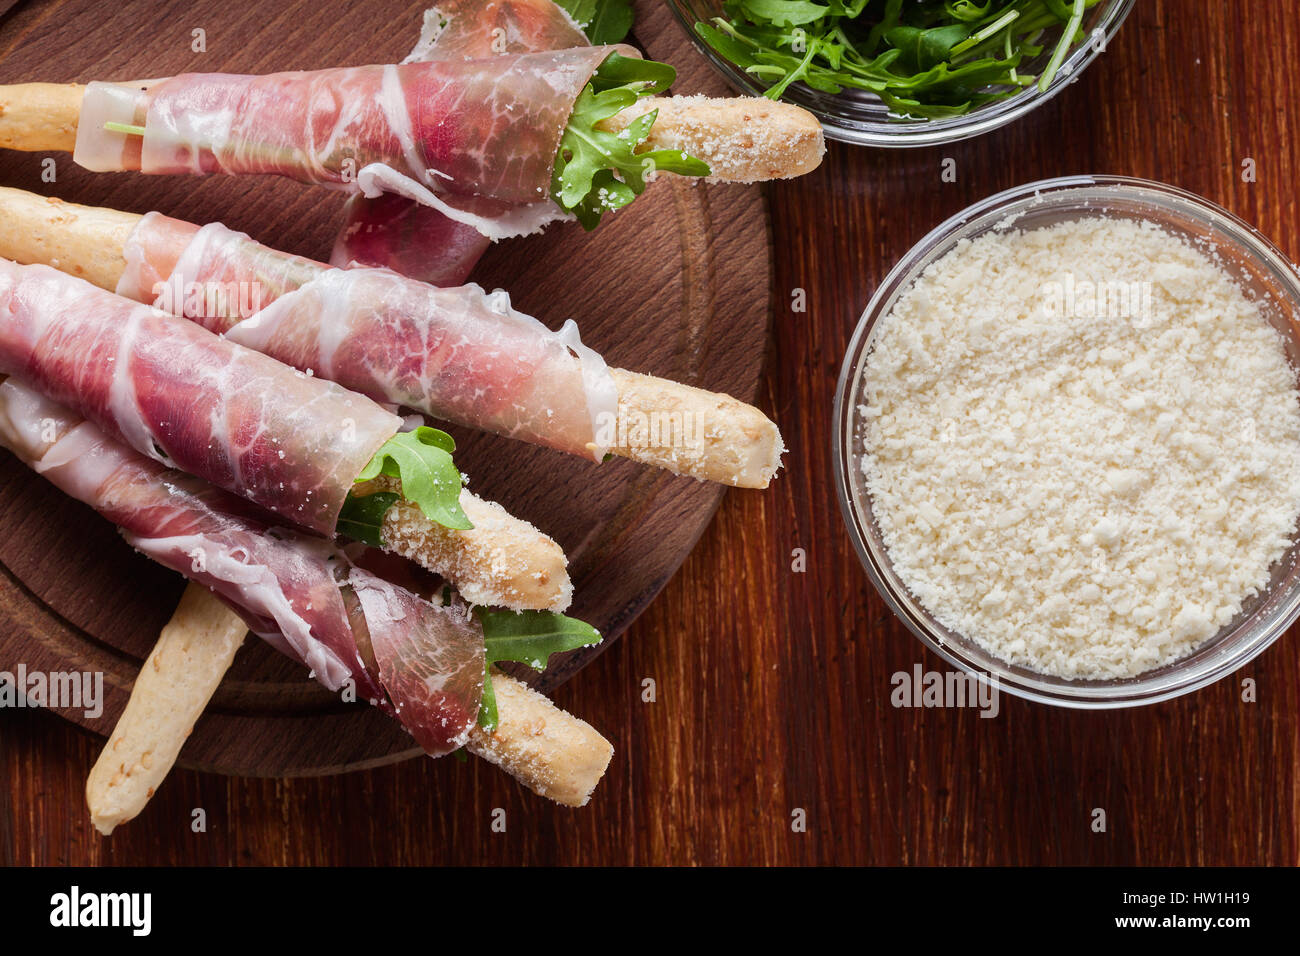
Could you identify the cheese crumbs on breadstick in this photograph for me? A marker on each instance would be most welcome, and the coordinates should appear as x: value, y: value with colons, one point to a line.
x: 484, y: 561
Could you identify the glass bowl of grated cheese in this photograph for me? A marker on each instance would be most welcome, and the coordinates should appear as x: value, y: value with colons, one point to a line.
x: 1216, y: 646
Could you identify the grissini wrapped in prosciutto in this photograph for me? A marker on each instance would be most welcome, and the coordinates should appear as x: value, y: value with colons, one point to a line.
x: 417, y: 240
x: 740, y: 139
x: 488, y: 127
x: 294, y: 444
x: 502, y: 143
x: 459, y: 354
x: 421, y: 663
x: 485, y: 142
x: 367, y: 339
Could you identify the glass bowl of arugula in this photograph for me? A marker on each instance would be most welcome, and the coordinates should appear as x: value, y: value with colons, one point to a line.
x: 903, y: 72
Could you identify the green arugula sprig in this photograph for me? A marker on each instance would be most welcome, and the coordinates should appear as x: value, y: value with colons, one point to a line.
x: 124, y: 128
x: 924, y: 58
x: 421, y: 460
x: 603, y: 21
x: 597, y: 171
x: 528, y: 637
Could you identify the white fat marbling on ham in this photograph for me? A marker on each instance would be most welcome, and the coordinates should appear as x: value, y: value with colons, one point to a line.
x: 597, y: 383
x: 467, y: 29
x: 492, y: 220
x: 459, y: 354
x: 463, y: 134
x: 103, y: 150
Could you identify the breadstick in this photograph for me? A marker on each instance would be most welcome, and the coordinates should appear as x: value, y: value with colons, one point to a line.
x: 688, y: 431
x: 744, y: 139
x: 40, y: 116
x: 503, y: 561
x: 178, y: 678
x: 726, y: 440
x: 84, y: 241
x: 549, y: 751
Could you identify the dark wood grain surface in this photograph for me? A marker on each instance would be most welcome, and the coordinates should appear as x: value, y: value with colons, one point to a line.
x: 75, y: 597
x: 772, y: 687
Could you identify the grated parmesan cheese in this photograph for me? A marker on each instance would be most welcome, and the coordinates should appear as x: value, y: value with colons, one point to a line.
x: 1086, y: 487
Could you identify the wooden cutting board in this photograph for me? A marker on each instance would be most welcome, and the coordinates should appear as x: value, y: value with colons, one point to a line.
x: 677, y: 285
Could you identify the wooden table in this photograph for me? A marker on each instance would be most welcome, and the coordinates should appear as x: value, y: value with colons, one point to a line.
x: 772, y: 686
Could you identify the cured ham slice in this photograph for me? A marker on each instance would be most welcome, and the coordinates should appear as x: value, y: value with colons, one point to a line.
x: 417, y: 240
x: 190, y: 399
x: 397, y: 233
x: 437, y: 132
x: 300, y: 593
x: 459, y: 354
x: 469, y: 29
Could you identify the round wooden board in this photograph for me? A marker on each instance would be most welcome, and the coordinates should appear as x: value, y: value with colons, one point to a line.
x: 676, y: 285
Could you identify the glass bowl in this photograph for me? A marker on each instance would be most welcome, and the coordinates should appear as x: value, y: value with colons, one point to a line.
x: 855, y: 116
x: 1254, y: 263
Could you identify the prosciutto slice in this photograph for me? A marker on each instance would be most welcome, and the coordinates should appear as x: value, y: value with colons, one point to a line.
x: 437, y: 132
x: 189, y: 399
x: 470, y: 29
x: 300, y: 593
x: 459, y: 354
x: 417, y: 240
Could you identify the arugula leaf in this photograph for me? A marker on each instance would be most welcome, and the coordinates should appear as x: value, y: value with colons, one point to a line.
x: 362, y: 517
x: 604, y: 21
x: 730, y: 45
x: 967, y: 10
x: 925, y: 49
x: 529, y: 637
x: 783, y: 12
x: 597, y: 171
x: 421, y: 460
